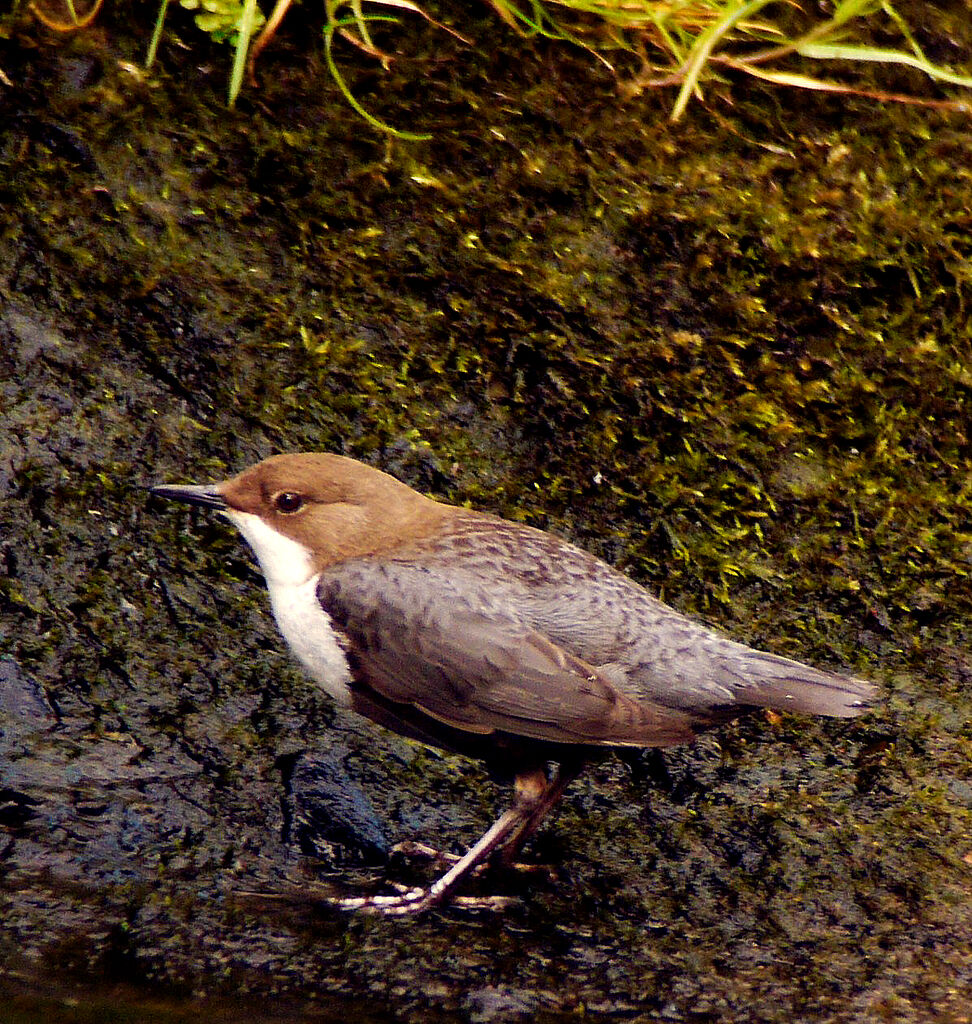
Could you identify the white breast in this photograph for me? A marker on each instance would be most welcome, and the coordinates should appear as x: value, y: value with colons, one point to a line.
x: 292, y: 584
x: 308, y: 630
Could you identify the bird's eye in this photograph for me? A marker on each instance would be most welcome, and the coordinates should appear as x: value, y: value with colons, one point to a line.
x: 288, y: 502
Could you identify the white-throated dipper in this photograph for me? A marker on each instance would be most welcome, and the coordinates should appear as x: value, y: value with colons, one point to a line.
x: 487, y: 637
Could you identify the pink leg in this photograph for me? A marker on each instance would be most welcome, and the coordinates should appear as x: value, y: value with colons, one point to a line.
x: 534, y: 796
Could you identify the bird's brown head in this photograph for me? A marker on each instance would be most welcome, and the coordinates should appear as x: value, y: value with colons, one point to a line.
x: 332, y: 506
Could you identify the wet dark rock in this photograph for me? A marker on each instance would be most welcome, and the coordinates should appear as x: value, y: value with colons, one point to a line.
x: 491, y: 1003
x: 77, y: 74
x: 333, y: 819
x: 27, y: 337
x: 15, y: 808
x: 23, y: 707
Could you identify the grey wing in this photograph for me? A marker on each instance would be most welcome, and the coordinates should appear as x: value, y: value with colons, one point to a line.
x: 463, y: 656
x: 647, y: 649
x: 652, y: 651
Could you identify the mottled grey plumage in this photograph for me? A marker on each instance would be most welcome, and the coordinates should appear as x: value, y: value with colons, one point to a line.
x: 494, y: 625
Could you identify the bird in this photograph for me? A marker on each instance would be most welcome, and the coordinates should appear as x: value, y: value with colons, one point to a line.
x: 486, y: 637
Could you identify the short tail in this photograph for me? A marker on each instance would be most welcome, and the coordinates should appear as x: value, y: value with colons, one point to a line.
x: 770, y: 681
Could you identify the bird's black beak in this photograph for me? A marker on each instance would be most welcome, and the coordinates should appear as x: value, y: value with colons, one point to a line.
x: 206, y: 495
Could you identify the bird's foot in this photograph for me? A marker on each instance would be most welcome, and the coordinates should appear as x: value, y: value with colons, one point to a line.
x: 415, y: 850
x: 416, y: 901
x: 412, y: 849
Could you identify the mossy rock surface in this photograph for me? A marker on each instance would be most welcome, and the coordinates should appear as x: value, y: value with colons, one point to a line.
x: 731, y: 357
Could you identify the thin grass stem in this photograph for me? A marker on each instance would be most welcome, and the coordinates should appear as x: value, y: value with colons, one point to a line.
x: 153, y: 47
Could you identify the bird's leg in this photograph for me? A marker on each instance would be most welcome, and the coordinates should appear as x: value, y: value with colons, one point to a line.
x: 549, y: 798
x: 530, y: 803
x: 507, y: 853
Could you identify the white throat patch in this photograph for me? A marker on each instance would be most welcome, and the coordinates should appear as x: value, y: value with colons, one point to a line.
x: 292, y: 584
x: 283, y: 561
